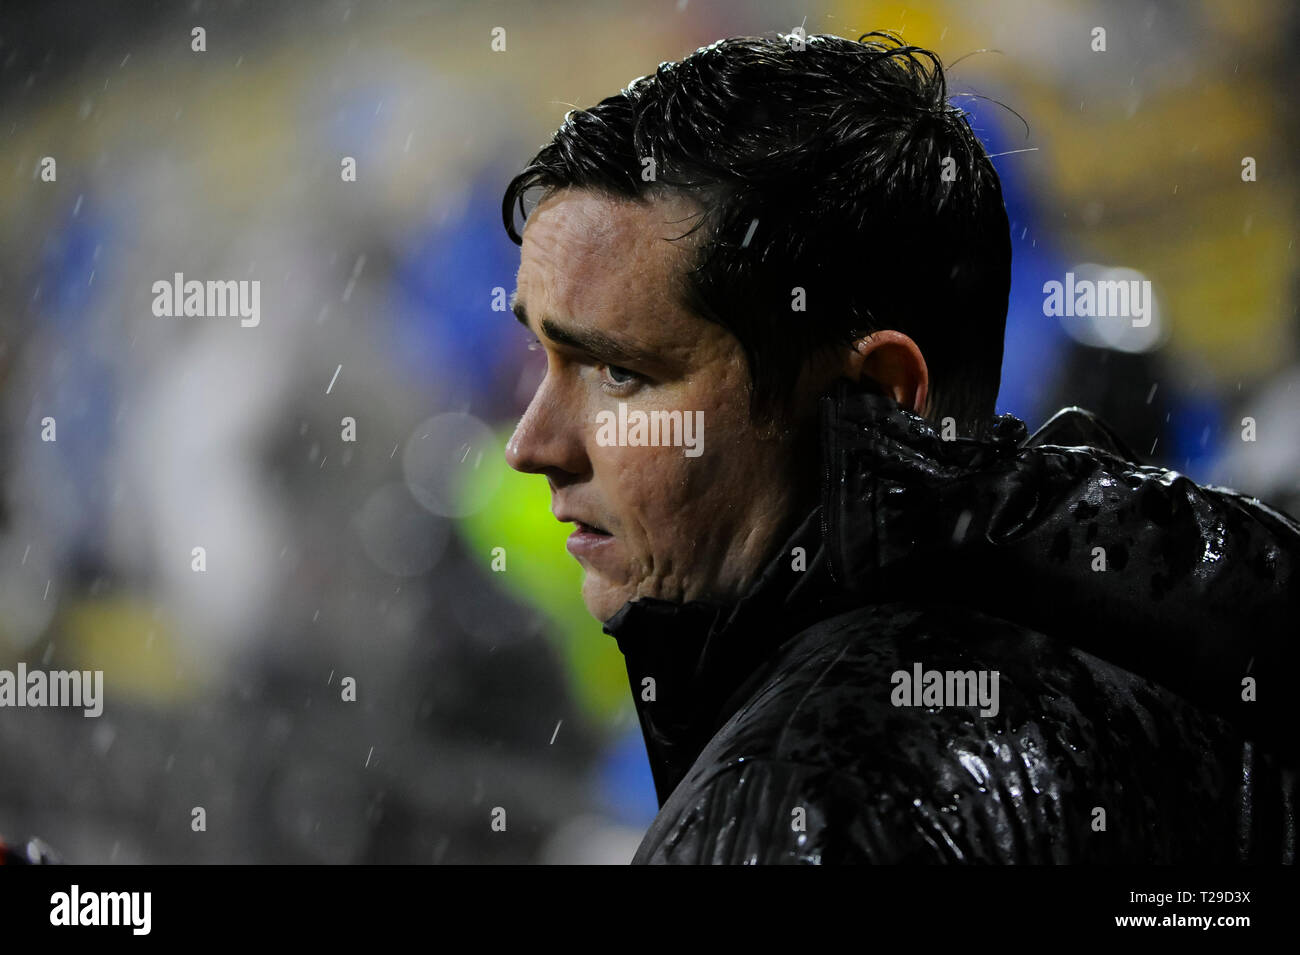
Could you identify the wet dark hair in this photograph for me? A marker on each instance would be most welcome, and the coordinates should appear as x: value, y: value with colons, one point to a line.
x: 826, y: 164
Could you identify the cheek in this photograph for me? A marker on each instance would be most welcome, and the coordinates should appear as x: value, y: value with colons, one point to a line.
x: 645, y: 487
x: 740, y: 483
x: 674, y: 511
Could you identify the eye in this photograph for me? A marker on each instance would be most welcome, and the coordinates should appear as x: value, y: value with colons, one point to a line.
x: 617, y: 380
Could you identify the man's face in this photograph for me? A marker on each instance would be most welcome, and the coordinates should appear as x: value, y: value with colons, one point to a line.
x: 595, y: 287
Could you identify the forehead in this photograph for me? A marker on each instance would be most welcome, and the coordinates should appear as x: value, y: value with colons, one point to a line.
x: 591, y: 258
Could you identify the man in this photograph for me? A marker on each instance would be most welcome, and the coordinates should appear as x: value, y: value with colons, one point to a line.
x: 866, y: 620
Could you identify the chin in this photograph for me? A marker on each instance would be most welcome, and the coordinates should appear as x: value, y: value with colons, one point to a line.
x: 601, y: 601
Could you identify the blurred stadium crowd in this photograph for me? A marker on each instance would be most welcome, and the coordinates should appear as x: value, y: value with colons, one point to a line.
x: 326, y: 559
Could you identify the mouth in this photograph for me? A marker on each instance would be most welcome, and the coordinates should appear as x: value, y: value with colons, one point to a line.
x: 588, y: 542
x: 581, y: 526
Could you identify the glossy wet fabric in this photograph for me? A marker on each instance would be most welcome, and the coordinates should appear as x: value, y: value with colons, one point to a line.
x: 1125, y: 608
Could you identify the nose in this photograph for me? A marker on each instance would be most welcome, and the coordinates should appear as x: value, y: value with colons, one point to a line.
x: 548, y: 438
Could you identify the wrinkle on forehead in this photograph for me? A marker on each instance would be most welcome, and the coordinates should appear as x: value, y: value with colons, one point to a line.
x: 591, y: 256
x: 604, y: 226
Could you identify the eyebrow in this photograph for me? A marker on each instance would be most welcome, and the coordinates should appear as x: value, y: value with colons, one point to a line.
x: 594, y: 343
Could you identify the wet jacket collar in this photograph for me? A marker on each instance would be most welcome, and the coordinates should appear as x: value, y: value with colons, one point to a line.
x: 688, y: 663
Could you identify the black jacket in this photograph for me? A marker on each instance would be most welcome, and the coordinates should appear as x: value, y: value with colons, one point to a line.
x: 1124, y: 730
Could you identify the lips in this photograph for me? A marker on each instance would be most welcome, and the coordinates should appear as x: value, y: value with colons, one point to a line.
x: 581, y: 526
x: 589, y: 542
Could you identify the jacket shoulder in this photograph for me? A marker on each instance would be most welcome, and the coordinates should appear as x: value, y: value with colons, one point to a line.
x: 827, y: 760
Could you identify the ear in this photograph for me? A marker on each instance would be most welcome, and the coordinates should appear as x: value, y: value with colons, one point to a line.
x: 895, y: 363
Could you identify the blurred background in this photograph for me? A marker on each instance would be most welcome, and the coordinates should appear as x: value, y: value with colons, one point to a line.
x: 373, y: 559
